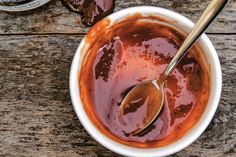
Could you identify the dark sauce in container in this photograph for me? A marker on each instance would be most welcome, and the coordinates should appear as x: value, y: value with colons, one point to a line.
x: 135, y: 50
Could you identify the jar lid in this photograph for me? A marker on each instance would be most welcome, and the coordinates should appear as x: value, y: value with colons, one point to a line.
x: 11, y: 2
x: 20, y: 5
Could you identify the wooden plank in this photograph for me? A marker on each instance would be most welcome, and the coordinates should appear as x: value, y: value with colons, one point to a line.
x: 37, y: 118
x: 55, y: 18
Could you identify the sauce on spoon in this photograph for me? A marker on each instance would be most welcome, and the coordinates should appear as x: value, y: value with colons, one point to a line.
x: 139, y: 108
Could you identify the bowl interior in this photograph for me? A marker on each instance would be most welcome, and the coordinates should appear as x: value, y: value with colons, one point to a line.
x: 215, y: 91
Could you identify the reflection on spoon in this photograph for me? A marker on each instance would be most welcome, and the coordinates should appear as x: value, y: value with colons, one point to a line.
x: 138, y: 108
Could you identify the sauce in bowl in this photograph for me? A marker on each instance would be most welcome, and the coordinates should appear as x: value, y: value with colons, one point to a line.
x: 134, y: 50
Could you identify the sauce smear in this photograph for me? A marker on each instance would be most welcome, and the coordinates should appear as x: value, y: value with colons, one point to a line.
x: 91, y: 10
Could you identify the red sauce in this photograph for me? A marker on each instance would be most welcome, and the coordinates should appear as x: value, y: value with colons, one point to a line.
x: 133, y: 51
x: 91, y: 10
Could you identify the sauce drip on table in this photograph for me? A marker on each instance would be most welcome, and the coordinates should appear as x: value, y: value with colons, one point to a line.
x: 91, y: 10
x: 118, y: 59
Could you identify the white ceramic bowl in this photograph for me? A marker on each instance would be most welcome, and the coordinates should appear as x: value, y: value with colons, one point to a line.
x: 215, y: 91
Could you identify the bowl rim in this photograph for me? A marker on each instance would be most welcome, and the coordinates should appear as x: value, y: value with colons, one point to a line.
x: 193, y: 133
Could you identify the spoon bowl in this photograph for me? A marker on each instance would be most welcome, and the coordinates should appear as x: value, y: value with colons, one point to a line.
x: 151, y: 101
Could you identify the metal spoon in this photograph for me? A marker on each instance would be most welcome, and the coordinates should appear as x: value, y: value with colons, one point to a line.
x: 151, y: 93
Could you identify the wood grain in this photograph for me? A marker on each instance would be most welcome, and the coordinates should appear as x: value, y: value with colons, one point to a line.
x: 37, y: 118
x: 56, y: 18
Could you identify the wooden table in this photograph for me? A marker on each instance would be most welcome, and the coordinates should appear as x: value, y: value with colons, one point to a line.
x: 36, y: 114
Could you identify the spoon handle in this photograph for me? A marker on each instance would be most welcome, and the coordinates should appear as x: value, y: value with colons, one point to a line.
x: 209, y: 14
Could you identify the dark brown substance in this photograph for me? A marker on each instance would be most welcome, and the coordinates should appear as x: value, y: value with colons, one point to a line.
x: 121, y: 59
x: 141, y: 106
x: 91, y: 10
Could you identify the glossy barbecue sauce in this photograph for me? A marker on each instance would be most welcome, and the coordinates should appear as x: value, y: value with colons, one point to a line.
x: 128, y: 53
x: 91, y: 10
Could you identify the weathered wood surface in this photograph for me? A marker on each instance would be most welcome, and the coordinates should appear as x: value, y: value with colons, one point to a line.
x: 55, y: 18
x: 36, y: 114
